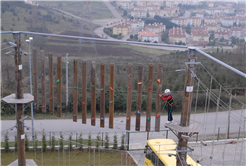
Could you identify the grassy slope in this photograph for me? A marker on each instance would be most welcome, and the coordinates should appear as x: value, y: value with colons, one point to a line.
x: 98, y: 9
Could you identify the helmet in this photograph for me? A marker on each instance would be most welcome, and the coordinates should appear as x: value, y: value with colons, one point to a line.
x: 167, y: 91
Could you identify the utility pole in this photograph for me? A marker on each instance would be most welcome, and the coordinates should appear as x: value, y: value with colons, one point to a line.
x: 19, y: 95
x: 186, y: 108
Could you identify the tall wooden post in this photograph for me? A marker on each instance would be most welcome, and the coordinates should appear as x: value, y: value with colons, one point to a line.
x: 129, y: 98
x: 59, y: 83
x: 186, y: 108
x: 139, y: 97
x: 111, y: 96
x: 35, y: 79
x: 158, y: 99
x: 102, y: 96
x: 149, y: 97
x: 43, y: 81
x: 93, y: 93
x: 19, y: 95
x: 51, y: 87
x: 84, y: 91
x: 75, y: 90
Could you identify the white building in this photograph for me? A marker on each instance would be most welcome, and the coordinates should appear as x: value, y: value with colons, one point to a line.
x: 139, y: 13
x: 136, y: 24
x: 200, y: 14
x: 126, y: 5
x: 156, y: 27
x: 228, y: 21
x: 237, y: 32
x: 148, y: 36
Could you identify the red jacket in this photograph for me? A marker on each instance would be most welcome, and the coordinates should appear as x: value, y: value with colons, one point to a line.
x: 166, y: 97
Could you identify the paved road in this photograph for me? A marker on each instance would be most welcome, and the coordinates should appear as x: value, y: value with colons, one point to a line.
x: 68, y: 126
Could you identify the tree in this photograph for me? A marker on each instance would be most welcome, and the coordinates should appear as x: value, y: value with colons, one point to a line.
x: 70, y: 141
x: 44, y: 145
x: 89, y: 140
x: 217, y: 50
x: 80, y: 142
x: 106, y: 141
x: 98, y: 139
x: 61, y: 140
x: 131, y: 36
x: 53, y: 140
x: 122, y: 147
x: 125, y: 13
x: 211, y: 37
x: 6, y: 140
x: 115, y: 145
x: 233, y: 40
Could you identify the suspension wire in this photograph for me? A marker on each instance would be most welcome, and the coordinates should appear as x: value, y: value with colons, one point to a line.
x: 242, y: 137
x: 215, y: 124
x: 219, y: 83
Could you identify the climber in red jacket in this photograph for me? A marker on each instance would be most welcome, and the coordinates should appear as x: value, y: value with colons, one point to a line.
x: 169, y: 100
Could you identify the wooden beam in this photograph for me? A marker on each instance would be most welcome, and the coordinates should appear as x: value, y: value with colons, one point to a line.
x: 75, y: 90
x: 84, y: 91
x: 111, y: 96
x: 43, y: 81
x: 158, y: 99
x: 35, y: 79
x: 129, y: 98
x: 139, y: 96
x: 93, y: 93
x: 149, y: 97
x: 102, y: 96
x: 59, y: 85
x: 51, y: 87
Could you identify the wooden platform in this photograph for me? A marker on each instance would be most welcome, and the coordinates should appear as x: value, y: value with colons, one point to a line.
x: 27, y: 98
x: 193, y: 128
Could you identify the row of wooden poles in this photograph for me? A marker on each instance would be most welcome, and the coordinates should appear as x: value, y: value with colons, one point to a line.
x: 102, y: 91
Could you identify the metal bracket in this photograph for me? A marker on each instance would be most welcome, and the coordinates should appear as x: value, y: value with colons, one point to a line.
x: 15, y: 126
x: 175, y: 133
x: 23, y: 118
x: 16, y: 35
x: 193, y: 63
x: 11, y: 44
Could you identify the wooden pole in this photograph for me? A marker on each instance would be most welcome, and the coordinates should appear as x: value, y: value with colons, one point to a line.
x: 35, y: 79
x: 43, y: 81
x: 158, y: 99
x: 93, y: 93
x: 111, y: 96
x: 129, y: 98
x: 102, y: 96
x: 59, y: 85
x: 75, y: 90
x: 149, y: 97
x: 139, y: 96
x: 51, y: 87
x: 84, y: 91
x: 186, y: 108
x: 19, y: 95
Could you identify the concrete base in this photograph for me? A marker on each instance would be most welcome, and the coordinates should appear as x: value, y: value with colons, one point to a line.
x: 29, y: 162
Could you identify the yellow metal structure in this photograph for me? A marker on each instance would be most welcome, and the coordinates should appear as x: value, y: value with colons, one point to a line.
x: 161, y: 152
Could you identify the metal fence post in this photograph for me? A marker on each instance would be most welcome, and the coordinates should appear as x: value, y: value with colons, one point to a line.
x: 50, y: 139
x: 218, y: 134
x: 147, y: 135
x: 128, y: 137
x: 196, y: 137
x: 167, y: 134
x: 102, y: 139
x: 76, y: 139
x: 239, y: 132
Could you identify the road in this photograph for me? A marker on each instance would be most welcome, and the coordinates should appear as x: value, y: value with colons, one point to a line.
x: 68, y: 126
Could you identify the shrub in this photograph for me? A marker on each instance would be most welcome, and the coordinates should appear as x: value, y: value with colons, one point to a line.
x: 6, y: 140
x: 80, y: 142
x: 70, y: 141
x: 106, y: 140
x: 44, y: 145
x: 89, y: 140
x: 115, y: 141
x: 53, y: 140
x: 61, y: 140
x: 122, y: 147
x: 98, y: 139
x: 26, y: 143
x: 35, y: 141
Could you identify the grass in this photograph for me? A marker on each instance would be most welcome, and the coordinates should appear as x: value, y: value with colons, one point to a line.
x: 98, y: 9
x: 72, y: 158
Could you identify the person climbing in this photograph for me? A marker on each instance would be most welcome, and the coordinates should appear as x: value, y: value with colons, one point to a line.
x: 169, y: 100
